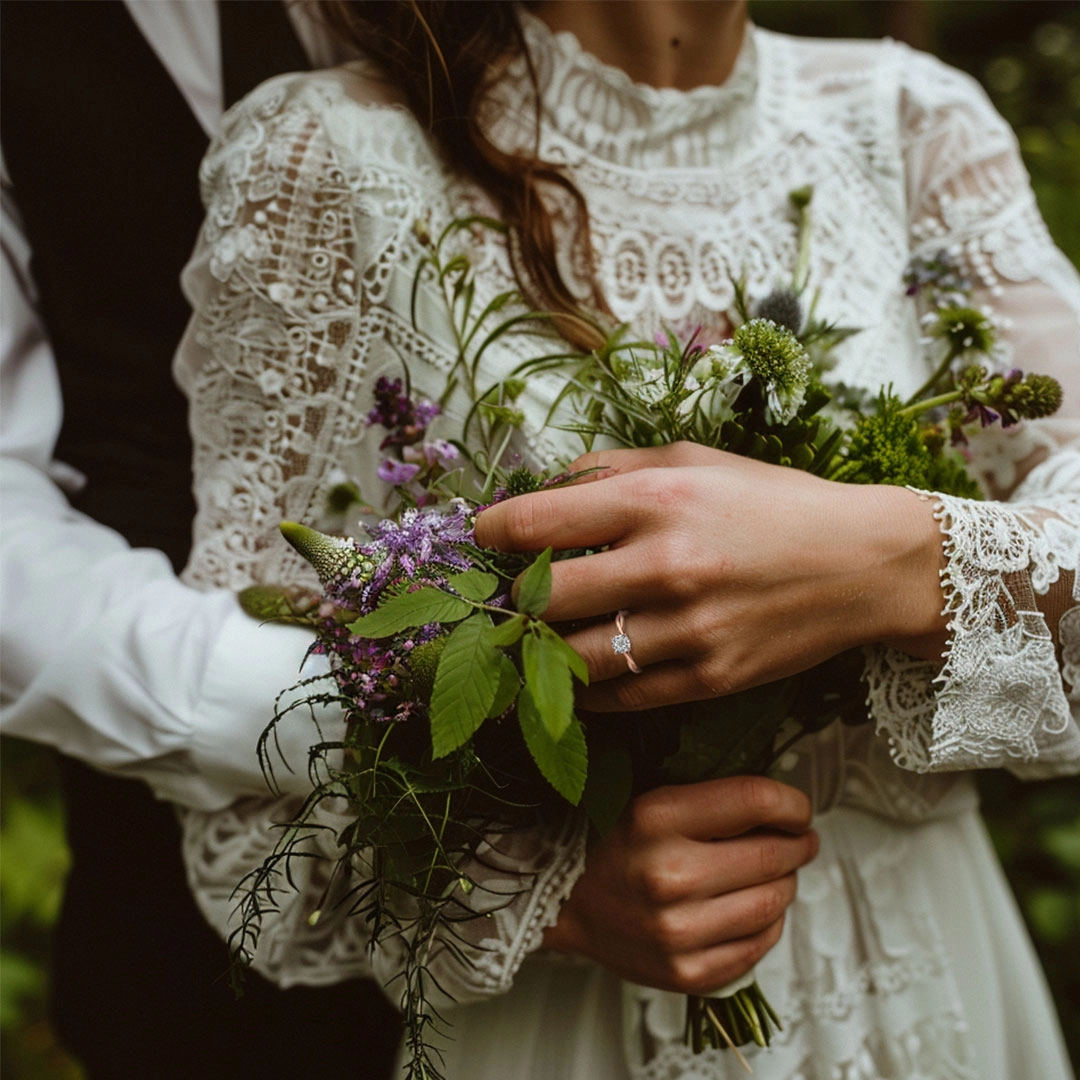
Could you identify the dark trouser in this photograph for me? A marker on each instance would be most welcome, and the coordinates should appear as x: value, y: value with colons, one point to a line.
x: 140, y: 981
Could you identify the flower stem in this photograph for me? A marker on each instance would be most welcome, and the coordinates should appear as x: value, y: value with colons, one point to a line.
x: 727, y: 1038
x: 913, y: 409
x: 930, y: 383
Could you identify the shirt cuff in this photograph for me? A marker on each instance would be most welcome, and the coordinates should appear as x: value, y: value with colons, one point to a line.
x: 251, y: 667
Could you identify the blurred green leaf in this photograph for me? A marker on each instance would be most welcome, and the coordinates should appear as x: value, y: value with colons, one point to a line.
x: 20, y: 978
x: 34, y: 864
x: 1053, y: 914
x: 1063, y: 843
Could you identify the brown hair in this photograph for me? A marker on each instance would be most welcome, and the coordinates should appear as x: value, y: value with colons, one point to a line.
x: 445, y: 56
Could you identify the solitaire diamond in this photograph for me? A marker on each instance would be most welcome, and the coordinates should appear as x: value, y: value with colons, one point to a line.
x: 621, y: 644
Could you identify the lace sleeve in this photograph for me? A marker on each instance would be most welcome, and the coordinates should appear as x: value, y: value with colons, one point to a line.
x: 299, y: 300
x: 1008, y: 692
x: 521, y: 881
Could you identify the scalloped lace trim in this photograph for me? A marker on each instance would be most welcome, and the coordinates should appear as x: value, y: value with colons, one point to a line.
x: 998, y: 700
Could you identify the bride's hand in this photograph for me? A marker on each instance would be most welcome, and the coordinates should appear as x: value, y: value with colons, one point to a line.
x: 680, y: 895
x: 732, y: 572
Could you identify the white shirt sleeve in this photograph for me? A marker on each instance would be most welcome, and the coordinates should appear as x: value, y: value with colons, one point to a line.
x: 104, y: 654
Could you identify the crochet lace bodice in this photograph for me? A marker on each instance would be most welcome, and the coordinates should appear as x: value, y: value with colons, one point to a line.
x: 301, y: 288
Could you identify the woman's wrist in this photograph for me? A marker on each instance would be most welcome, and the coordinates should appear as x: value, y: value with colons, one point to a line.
x: 905, y: 561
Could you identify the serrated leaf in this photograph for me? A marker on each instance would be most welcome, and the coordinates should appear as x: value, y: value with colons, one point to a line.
x: 508, y: 633
x: 427, y: 605
x: 474, y: 584
x: 465, y: 685
x: 547, y: 676
x: 574, y: 660
x: 564, y: 762
x: 534, y: 592
x: 507, y: 690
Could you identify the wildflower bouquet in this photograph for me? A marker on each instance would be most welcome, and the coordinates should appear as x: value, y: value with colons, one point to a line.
x: 458, y: 698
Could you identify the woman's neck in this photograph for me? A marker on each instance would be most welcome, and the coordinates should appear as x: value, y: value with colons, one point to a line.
x: 664, y: 43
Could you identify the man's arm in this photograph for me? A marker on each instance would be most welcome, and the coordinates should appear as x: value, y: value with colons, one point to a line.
x: 104, y: 654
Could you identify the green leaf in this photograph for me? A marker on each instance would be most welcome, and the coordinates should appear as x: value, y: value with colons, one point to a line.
x: 474, y: 584
x: 534, y: 592
x: 508, y: 633
x: 427, y: 605
x: 547, y: 676
x: 574, y: 660
x: 608, y: 786
x: 465, y: 685
x: 509, y: 685
x: 562, y: 762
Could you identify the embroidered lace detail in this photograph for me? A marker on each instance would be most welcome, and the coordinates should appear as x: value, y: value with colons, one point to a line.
x: 520, y: 883
x: 999, y: 698
x: 221, y: 847
x: 923, y: 1052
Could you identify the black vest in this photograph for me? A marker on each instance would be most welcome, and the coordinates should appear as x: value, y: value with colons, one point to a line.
x: 103, y: 151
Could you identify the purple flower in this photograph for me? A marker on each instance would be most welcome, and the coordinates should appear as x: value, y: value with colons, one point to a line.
x: 396, y: 472
x: 403, y: 417
x: 425, y: 542
x: 440, y: 452
x: 426, y: 411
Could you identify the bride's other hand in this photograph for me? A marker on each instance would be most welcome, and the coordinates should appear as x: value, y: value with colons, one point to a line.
x: 681, y: 894
x: 732, y: 573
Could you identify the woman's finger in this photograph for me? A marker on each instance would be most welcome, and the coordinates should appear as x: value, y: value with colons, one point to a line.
x: 607, y: 463
x: 559, y: 518
x: 673, y: 682
x: 693, y: 871
x: 647, y: 638
x: 710, y: 970
x: 599, y: 584
x: 716, y: 809
x: 703, y: 924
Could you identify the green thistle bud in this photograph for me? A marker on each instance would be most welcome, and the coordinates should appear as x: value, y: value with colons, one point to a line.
x: 342, y: 497
x: 782, y: 307
x: 269, y: 603
x: 800, y: 197
x: 964, y: 329
x: 523, y: 480
x: 333, y: 557
x: 1033, y: 397
x: 775, y: 355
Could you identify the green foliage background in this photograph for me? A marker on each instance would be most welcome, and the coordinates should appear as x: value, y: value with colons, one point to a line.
x: 1027, y: 54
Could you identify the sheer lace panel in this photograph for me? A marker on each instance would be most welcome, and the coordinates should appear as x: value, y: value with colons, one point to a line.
x: 999, y: 699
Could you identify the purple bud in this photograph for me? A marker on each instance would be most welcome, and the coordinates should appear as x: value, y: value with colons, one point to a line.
x: 396, y: 472
x: 441, y: 452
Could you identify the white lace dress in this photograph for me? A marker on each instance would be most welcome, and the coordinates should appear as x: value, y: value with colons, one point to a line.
x: 903, y: 956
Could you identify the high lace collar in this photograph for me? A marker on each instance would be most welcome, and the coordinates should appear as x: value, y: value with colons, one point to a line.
x: 600, y: 110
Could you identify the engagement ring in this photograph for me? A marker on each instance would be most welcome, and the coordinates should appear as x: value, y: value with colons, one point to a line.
x: 620, y: 643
